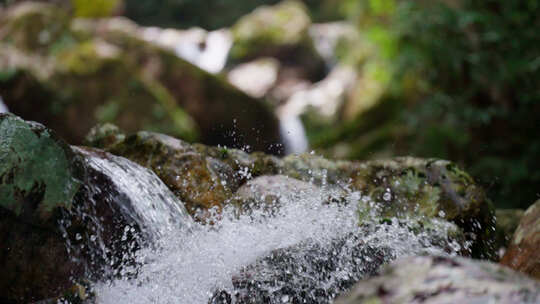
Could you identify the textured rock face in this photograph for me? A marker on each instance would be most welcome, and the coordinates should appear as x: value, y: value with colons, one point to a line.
x: 523, y: 253
x: 73, y: 73
x: 64, y: 212
x: 444, y: 280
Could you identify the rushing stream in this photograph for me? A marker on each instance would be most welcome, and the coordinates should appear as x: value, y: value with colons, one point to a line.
x: 319, y: 247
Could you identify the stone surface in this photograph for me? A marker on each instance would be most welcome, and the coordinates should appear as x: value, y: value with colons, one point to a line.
x: 444, y: 280
x: 64, y: 212
x: 523, y: 253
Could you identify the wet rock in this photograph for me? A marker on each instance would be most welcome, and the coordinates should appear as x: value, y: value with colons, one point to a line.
x: 407, y: 185
x: 523, y: 252
x: 400, y: 187
x: 279, y: 31
x: 39, y: 176
x: 202, y: 176
x: 506, y: 224
x: 77, y: 294
x: 64, y: 212
x: 103, y: 70
x: 440, y: 279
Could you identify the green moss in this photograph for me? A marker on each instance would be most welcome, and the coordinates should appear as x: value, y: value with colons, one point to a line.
x: 95, y: 8
x: 36, y: 170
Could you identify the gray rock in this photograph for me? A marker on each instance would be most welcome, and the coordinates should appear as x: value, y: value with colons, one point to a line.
x: 437, y: 280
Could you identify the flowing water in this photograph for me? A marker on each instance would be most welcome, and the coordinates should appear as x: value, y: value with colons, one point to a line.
x: 306, y: 244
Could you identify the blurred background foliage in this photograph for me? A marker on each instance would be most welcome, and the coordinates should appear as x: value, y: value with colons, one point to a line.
x: 453, y: 79
x: 465, y: 75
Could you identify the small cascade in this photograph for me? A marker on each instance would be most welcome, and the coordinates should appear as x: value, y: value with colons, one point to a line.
x: 122, y: 207
x: 141, y: 195
x: 308, y: 244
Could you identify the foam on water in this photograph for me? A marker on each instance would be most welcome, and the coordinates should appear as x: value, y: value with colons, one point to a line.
x: 191, y: 267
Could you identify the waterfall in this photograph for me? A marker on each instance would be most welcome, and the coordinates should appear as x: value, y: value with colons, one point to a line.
x: 3, y: 107
x: 141, y: 195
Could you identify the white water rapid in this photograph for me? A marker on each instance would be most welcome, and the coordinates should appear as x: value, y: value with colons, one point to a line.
x: 191, y: 267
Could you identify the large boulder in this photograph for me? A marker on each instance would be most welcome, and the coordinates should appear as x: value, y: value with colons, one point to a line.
x: 439, y: 279
x: 85, y: 71
x: 69, y: 214
x: 523, y: 253
x: 39, y: 178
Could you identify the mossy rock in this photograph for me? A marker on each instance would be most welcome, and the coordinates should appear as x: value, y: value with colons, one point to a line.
x: 38, y: 171
x: 408, y: 185
x: 401, y: 187
x: 74, y: 82
x: 279, y: 31
x: 39, y: 177
x: 102, y: 70
x: 63, y: 212
x: 203, y: 177
x: 201, y: 182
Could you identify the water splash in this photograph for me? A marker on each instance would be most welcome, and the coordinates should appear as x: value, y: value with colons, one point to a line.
x: 121, y: 207
x: 212, y: 259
